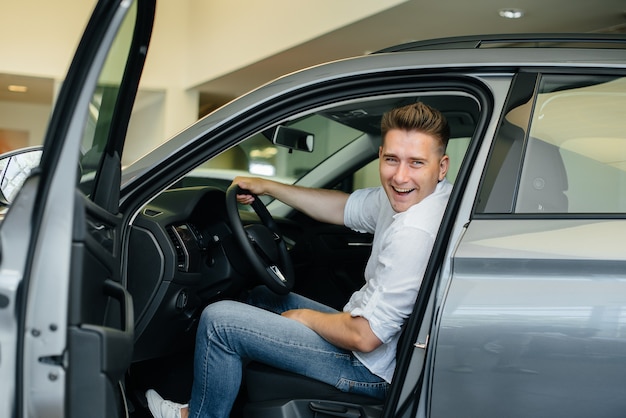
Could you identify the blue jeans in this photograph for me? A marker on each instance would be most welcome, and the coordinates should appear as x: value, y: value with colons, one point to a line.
x: 230, y: 332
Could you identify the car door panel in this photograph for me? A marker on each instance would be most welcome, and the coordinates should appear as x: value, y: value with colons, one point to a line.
x: 74, y: 323
x: 101, y: 322
x: 16, y: 230
x: 533, y: 311
x: 525, y: 317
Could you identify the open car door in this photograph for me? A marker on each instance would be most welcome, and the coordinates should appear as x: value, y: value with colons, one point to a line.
x: 66, y: 319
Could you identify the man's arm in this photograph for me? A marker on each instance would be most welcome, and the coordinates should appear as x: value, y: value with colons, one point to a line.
x: 320, y: 204
x: 340, y: 329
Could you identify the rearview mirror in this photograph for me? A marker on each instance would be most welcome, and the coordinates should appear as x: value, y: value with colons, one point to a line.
x: 15, y: 166
x: 293, y: 139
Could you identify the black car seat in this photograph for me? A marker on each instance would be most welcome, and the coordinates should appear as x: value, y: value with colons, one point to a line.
x: 276, y: 393
x: 544, y: 182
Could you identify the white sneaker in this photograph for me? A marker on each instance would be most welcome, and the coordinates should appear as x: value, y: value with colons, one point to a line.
x: 161, y: 408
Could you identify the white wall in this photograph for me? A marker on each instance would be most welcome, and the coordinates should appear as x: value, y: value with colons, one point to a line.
x: 38, y: 37
x: 226, y: 35
x: 32, y: 118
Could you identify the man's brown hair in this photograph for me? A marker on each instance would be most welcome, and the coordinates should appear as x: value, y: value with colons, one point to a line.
x: 417, y: 117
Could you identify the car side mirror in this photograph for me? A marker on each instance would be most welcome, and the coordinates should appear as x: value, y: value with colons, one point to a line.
x: 15, y: 166
x: 293, y: 139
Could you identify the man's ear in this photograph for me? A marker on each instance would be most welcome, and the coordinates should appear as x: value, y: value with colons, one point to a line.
x: 444, y: 163
x: 380, y: 151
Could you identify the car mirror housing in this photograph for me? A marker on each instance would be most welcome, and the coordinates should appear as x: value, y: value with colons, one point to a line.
x: 293, y: 139
x: 15, y: 167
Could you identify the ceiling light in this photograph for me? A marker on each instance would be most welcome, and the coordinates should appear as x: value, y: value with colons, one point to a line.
x: 511, y: 13
x: 17, y: 88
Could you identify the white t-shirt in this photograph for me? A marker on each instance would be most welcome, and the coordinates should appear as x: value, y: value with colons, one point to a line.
x: 393, y: 275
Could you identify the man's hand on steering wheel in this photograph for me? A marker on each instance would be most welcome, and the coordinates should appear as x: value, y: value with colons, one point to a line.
x: 262, y: 244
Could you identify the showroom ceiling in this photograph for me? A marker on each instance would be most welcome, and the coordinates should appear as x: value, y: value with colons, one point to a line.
x: 419, y: 20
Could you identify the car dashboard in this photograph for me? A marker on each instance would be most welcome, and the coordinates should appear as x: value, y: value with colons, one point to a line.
x: 181, y: 258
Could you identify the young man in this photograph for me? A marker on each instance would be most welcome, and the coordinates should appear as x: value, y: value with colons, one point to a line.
x: 355, y: 349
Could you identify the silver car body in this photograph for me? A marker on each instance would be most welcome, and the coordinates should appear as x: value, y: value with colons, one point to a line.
x: 527, y: 308
x: 521, y: 309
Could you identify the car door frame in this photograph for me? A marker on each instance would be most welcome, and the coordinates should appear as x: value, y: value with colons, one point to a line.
x: 408, y: 396
x: 40, y: 237
x: 244, y: 124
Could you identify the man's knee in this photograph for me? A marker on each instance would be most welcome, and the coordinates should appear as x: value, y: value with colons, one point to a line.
x: 221, y: 312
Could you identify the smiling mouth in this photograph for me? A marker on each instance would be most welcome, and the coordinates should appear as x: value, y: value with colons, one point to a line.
x: 402, y: 191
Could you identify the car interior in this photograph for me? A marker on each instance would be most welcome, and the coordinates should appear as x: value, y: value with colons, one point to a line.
x: 184, y: 252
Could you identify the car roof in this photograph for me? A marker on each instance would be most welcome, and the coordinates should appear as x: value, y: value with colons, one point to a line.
x: 515, y: 40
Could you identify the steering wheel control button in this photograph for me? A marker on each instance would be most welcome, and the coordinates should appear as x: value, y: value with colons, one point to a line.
x: 276, y: 271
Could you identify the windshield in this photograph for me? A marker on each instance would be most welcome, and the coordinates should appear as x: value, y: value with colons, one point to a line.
x: 258, y: 156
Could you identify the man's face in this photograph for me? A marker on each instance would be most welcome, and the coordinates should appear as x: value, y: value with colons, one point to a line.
x: 411, y: 164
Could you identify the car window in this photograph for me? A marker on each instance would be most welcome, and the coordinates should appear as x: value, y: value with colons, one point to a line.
x: 103, y: 103
x: 560, y: 148
x: 258, y: 156
x: 575, y: 157
x: 355, y: 124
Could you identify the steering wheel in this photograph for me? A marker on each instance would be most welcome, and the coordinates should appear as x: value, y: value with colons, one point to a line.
x: 262, y: 244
